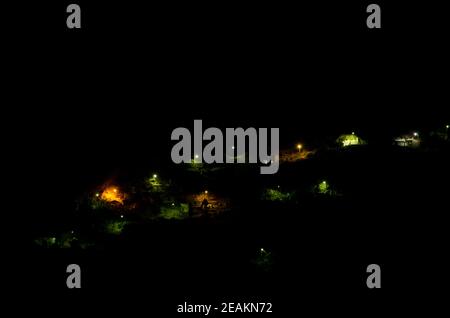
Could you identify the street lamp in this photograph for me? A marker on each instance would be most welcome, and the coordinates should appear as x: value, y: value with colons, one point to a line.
x: 155, y: 176
x: 415, y: 134
x: 299, y: 147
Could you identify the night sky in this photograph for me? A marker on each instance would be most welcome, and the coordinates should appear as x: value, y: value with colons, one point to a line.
x: 101, y: 101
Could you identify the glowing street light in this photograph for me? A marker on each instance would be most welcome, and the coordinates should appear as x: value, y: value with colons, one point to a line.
x: 115, y: 190
x: 97, y: 194
x: 448, y: 126
x: 206, y: 191
x: 155, y: 176
x: 121, y: 216
x: 196, y: 156
x: 232, y: 147
x: 415, y: 134
x: 353, y: 132
x: 299, y: 147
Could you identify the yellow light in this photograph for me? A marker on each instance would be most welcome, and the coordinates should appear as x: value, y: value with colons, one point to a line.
x: 112, y: 194
x: 97, y: 194
x: 155, y: 176
x: 299, y: 146
x: 206, y: 191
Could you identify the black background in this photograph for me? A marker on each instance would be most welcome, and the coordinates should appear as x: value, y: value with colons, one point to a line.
x: 138, y: 70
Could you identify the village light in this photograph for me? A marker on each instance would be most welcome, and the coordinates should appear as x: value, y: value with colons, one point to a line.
x: 448, y: 126
x: 121, y: 216
x: 206, y: 191
x: 353, y: 132
x: 155, y: 176
x: 97, y: 194
x: 299, y: 146
x: 115, y: 190
x: 415, y: 134
x: 262, y: 250
x: 196, y: 156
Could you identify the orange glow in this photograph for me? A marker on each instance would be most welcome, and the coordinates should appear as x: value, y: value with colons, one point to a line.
x: 111, y: 194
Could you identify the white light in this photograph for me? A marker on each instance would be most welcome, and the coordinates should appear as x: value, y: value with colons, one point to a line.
x: 353, y: 132
x: 232, y: 147
x: 448, y: 126
x: 196, y: 156
x: 206, y: 191
x: 155, y: 176
x: 121, y: 216
x: 97, y: 194
x: 416, y: 134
